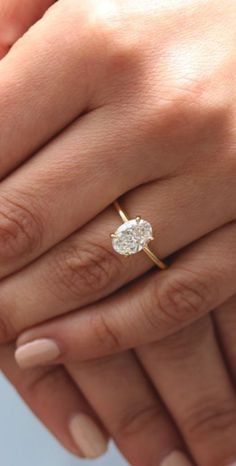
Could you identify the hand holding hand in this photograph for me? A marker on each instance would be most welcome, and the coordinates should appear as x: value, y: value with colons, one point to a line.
x: 174, y: 163
x: 138, y: 113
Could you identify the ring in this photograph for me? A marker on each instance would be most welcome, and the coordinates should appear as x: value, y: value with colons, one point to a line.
x: 133, y: 236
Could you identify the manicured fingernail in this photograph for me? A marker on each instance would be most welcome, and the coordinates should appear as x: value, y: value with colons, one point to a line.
x: 36, y: 353
x: 88, y: 437
x: 176, y: 458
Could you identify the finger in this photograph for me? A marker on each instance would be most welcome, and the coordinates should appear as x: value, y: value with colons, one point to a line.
x: 55, y: 399
x: 199, y: 280
x: 189, y: 371
x: 16, y: 17
x: 54, y: 407
x: 84, y: 268
x: 35, y: 196
x: 225, y: 321
x: 130, y: 409
x: 62, y: 67
x: 44, y: 80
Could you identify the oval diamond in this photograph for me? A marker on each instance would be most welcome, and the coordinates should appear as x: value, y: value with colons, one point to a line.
x: 132, y: 236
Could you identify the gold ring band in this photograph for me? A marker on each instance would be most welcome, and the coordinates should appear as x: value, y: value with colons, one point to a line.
x: 126, y: 221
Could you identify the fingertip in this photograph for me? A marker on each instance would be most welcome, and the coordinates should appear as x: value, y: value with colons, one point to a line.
x: 89, y: 438
x: 36, y: 353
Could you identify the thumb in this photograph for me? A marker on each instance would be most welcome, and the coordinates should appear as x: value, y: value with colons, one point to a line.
x: 16, y: 17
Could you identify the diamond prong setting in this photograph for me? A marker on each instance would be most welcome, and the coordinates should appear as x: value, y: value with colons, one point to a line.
x: 132, y: 237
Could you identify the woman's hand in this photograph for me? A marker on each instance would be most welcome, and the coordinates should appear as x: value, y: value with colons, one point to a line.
x: 194, y: 372
x: 39, y: 387
x: 153, y: 123
x: 51, y: 392
x: 136, y: 109
x: 200, y: 279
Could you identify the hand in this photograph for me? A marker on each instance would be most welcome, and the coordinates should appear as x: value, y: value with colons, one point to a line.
x: 39, y: 387
x: 194, y: 372
x: 51, y: 393
x: 8, y: 230
x: 182, y: 109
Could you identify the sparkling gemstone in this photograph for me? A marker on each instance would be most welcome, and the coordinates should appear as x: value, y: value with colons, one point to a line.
x: 132, y: 236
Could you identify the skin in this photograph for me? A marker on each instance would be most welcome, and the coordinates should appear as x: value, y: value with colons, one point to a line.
x: 53, y: 395
x: 38, y: 386
x: 199, y: 109
x: 184, y: 127
x: 16, y: 18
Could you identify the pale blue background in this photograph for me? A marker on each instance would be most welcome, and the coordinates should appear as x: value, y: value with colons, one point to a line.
x: 24, y: 442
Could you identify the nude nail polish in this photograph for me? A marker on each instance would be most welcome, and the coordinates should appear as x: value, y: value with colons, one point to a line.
x: 37, y: 353
x: 88, y: 437
x: 176, y: 458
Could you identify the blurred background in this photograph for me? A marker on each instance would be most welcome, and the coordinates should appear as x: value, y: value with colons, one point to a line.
x: 24, y: 442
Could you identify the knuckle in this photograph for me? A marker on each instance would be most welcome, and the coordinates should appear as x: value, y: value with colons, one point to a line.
x: 48, y: 378
x: 92, y: 16
x: 7, y: 332
x: 182, y: 344
x: 182, y: 107
x: 210, y: 417
x: 182, y: 296
x: 176, y: 110
x: 184, y: 92
x: 82, y: 270
x: 104, y: 333
x: 103, y: 25
x: 137, y: 418
x: 107, y: 51
x: 120, y: 56
x: 12, y: 321
x: 20, y: 229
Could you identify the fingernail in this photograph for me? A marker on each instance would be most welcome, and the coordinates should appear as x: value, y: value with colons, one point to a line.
x: 36, y: 353
x: 88, y: 437
x: 176, y: 458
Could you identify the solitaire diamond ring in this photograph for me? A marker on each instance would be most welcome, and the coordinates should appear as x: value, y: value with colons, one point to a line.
x: 134, y: 236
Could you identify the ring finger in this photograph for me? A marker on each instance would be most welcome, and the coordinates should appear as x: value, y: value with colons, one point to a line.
x: 84, y: 268
x: 155, y: 306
